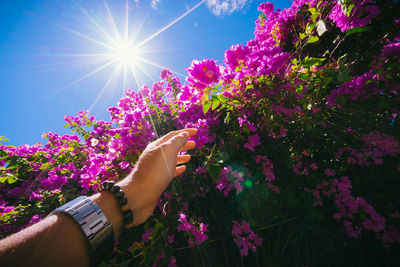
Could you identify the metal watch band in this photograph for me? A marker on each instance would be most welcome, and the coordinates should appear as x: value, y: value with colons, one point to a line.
x: 94, y: 225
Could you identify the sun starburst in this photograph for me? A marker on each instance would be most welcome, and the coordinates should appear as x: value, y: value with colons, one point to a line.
x: 119, y: 47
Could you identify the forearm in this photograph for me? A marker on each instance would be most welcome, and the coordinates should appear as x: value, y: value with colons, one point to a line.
x: 56, y: 240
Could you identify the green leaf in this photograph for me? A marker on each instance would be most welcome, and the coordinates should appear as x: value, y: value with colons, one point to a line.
x: 299, y: 89
x: 317, y: 61
x: 302, y: 36
x: 9, y: 178
x: 215, y: 104
x: 313, y: 39
x: 227, y: 118
x: 349, y: 9
x: 222, y: 98
x: 310, y: 27
x: 206, y: 106
x: 357, y: 30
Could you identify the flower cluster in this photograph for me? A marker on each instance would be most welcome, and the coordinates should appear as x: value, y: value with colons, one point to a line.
x: 303, y: 104
x: 196, y: 232
x: 357, y: 14
x: 245, y: 238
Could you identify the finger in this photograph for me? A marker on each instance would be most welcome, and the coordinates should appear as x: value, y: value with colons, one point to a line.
x: 168, y: 136
x: 182, y: 159
x: 189, y: 145
x: 179, y: 170
x: 177, y: 142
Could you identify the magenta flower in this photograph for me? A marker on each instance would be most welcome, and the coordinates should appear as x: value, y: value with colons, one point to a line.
x: 147, y: 234
x: 124, y: 164
x: 245, y: 238
x: 203, y: 73
x: 253, y: 142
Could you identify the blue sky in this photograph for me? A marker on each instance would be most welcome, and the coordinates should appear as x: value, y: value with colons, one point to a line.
x: 58, y: 57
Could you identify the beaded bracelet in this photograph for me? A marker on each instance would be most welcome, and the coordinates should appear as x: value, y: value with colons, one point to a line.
x: 127, y: 214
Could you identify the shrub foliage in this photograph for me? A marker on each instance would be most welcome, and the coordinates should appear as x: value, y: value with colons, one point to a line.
x: 297, y: 159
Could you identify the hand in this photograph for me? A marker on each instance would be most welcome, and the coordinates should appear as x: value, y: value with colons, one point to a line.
x: 154, y: 171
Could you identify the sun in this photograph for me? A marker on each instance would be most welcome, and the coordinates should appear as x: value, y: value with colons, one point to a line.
x: 125, y: 53
x: 118, y: 45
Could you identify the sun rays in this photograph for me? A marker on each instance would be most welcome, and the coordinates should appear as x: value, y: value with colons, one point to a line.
x: 117, y: 46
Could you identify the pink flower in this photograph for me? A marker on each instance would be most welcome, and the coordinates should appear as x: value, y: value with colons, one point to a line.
x: 147, y: 234
x: 267, y: 8
x: 203, y: 73
x: 244, y: 237
x: 165, y: 73
x: 124, y: 164
x: 253, y: 142
x: 330, y: 172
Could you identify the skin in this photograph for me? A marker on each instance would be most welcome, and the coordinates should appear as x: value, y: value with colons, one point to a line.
x: 58, y: 240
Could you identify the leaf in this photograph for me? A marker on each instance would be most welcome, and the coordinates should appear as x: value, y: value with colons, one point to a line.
x: 9, y: 178
x: 206, y: 106
x: 310, y: 27
x: 349, y: 9
x: 357, y: 30
x: 227, y: 118
x: 313, y: 39
x: 215, y: 104
x: 317, y: 61
x: 222, y: 98
x: 302, y: 36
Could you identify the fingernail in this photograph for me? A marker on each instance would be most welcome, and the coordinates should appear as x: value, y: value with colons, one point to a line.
x: 184, y: 134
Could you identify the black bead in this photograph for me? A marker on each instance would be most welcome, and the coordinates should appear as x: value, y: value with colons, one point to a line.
x: 128, y: 220
x: 123, y: 201
x: 110, y: 184
x: 119, y: 194
x: 115, y: 189
x: 104, y: 185
x: 128, y: 213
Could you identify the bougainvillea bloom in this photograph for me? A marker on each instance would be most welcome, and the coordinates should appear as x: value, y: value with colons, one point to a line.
x: 203, y: 73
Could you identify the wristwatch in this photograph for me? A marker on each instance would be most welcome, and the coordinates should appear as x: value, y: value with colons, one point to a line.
x: 94, y: 225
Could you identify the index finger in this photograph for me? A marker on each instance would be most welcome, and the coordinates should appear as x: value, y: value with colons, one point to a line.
x: 168, y: 136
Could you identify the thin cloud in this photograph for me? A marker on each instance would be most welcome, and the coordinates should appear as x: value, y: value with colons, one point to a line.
x: 154, y: 3
x: 226, y: 7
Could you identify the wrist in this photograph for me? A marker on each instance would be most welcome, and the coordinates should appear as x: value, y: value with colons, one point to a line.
x: 109, y: 206
x: 136, y: 202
